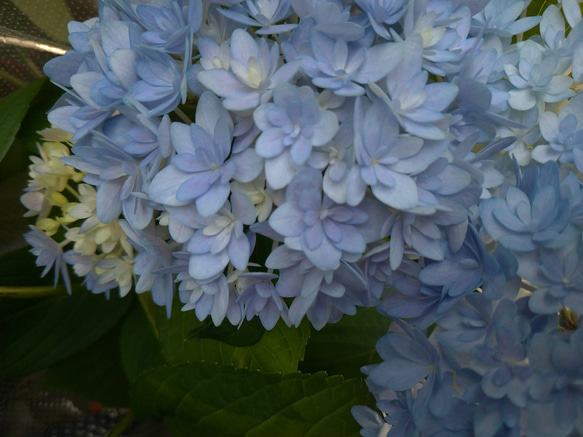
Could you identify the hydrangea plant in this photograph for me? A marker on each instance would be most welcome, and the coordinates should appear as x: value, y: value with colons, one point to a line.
x: 276, y: 161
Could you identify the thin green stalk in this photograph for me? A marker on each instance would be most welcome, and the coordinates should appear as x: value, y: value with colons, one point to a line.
x: 12, y: 79
x: 182, y: 116
x: 149, y: 310
x: 121, y: 426
x: 30, y: 64
x: 30, y: 292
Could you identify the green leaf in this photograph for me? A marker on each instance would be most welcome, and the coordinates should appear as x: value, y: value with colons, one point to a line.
x: 344, y: 347
x: 36, y: 117
x: 95, y: 373
x: 140, y: 349
x: 50, y: 17
x: 18, y: 269
x: 279, y: 350
x: 248, y: 334
x: 228, y: 402
x: 53, y: 329
x: 13, y: 109
x: 21, y: 278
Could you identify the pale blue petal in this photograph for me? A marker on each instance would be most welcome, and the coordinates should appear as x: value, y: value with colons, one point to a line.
x: 108, y: 201
x: 213, y: 200
x: 206, y: 266
x: 287, y: 219
x: 165, y: 185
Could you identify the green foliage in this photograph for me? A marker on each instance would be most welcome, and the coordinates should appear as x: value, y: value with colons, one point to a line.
x: 36, y: 117
x: 52, y: 21
x: 95, y: 373
x: 140, y: 349
x: 204, y: 399
x: 278, y: 350
x: 344, y: 347
x: 13, y: 109
x: 18, y: 269
x: 249, y: 333
x: 41, y: 334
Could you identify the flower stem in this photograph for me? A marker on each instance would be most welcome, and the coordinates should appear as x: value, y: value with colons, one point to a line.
x: 182, y: 116
x: 149, y: 310
x: 12, y: 79
x: 31, y: 292
x: 121, y: 426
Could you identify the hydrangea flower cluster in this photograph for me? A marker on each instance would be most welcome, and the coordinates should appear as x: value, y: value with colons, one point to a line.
x: 413, y: 155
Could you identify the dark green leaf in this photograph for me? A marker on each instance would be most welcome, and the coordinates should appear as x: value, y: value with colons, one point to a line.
x: 95, y: 373
x: 279, y: 350
x: 248, y: 334
x: 18, y: 268
x: 344, y: 347
x: 179, y: 427
x: 140, y: 349
x: 13, y: 108
x: 36, y: 117
x: 54, y: 329
x: 225, y: 401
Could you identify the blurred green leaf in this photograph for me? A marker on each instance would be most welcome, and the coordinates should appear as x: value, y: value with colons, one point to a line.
x: 95, y: 373
x: 279, y: 350
x: 344, y: 347
x: 140, y: 349
x: 53, y: 329
x: 13, y: 109
x: 50, y: 17
x: 213, y: 400
x: 36, y: 117
x: 246, y: 335
x: 18, y: 268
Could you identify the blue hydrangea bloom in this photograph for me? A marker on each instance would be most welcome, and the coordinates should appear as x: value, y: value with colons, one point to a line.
x: 343, y: 66
x: 324, y: 296
x: 48, y: 255
x: 383, y: 12
x: 162, y: 85
x: 474, y: 320
x: 386, y: 161
x: 324, y: 231
x: 221, y: 239
x: 501, y: 17
x: 409, y: 358
x: 558, y: 276
x: 259, y: 297
x: 213, y: 297
x: 524, y: 220
x: 440, y: 285
x: 535, y: 78
x: 72, y: 114
x: 417, y: 106
x: 154, y: 254
x: 291, y: 126
x: 171, y: 24
x: 254, y: 71
x: 121, y: 182
x: 563, y: 134
x: 558, y: 386
x: 201, y: 170
x: 372, y: 423
x: 264, y: 14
